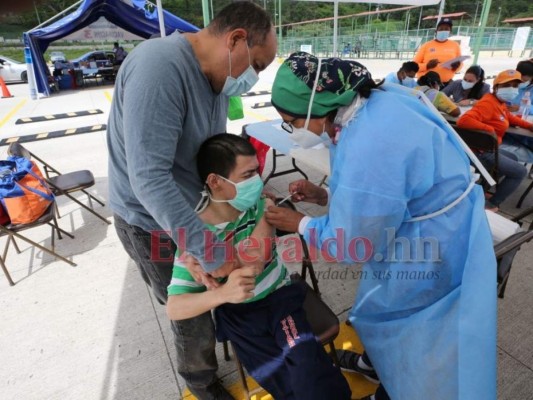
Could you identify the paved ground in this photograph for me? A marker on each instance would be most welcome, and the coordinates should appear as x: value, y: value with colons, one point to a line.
x: 94, y: 331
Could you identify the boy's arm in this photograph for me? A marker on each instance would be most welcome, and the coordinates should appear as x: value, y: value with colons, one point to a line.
x: 257, y: 249
x: 239, y: 287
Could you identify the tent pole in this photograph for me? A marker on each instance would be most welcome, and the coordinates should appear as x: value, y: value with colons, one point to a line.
x: 161, y: 19
x: 205, y: 12
x: 481, y: 30
x: 335, y: 26
x: 55, y: 16
x: 441, y: 10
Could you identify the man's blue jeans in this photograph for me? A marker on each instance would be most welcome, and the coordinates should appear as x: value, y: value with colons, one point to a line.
x: 194, y: 338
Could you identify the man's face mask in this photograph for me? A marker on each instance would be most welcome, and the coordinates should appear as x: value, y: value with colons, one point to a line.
x: 244, y: 82
x: 407, y: 81
x: 442, y: 35
x: 247, y: 193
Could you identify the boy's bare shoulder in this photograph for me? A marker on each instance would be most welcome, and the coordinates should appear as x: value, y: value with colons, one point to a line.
x: 268, y: 202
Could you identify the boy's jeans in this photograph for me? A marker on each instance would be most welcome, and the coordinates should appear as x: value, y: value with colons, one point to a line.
x: 194, y: 338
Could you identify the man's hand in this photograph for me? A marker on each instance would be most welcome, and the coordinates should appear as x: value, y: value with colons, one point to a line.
x: 432, y: 63
x: 309, y: 192
x: 283, y: 218
x: 455, y: 65
x: 239, y: 286
x: 464, y: 103
x: 198, y: 273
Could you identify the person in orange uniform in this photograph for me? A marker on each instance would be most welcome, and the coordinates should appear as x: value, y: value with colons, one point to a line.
x: 490, y: 114
x: 432, y: 54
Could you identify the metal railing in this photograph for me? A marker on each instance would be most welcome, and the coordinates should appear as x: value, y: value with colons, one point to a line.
x: 398, y: 44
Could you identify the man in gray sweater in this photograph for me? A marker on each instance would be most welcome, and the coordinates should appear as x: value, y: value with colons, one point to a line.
x: 170, y: 95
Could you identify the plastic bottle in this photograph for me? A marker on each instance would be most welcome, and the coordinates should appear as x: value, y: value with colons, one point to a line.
x: 525, y: 105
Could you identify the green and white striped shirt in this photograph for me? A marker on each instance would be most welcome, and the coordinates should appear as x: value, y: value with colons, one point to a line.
x: 274, y: 274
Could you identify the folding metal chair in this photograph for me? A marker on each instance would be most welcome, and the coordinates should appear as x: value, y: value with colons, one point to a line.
x: 13, y: 231
x: 63, y: 184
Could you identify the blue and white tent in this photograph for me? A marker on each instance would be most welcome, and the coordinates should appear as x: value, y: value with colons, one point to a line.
x: 129, y: 15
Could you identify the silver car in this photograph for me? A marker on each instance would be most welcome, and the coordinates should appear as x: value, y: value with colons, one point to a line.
x: 11, y: 70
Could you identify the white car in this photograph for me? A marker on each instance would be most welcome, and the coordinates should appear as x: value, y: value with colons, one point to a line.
x: 57, y: 56
x: 11, y: 70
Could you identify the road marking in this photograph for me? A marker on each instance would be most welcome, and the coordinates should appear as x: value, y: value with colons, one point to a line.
x: 50, y: 117
x: 264, y: 104
x: 13, y: 112
x: 53, y: 134
x: 108, y: 96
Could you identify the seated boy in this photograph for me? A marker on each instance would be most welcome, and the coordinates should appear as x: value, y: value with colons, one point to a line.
x: 256, y: 307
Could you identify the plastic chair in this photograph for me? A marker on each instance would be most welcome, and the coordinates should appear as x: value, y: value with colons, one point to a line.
x: 63, y: 184
x: 13, y: 231
x: 324, y: 324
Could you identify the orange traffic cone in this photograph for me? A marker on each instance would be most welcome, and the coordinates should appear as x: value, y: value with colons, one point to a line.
x: 5, y: 90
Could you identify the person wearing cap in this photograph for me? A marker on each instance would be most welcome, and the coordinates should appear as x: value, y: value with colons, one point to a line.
x: 405, y: 75
x: 432, y: 54
x: 398, y: 174
x: 491, y: 114
x: 429, y: 84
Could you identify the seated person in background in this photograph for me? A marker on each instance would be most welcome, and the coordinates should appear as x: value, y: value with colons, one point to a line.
x: 405, y: 75
x: 120, y: 53
x: 256, y: 307
x: 490, y: 114
x: 429, y: 84
x: 526, y: 70
x: 470, y: 89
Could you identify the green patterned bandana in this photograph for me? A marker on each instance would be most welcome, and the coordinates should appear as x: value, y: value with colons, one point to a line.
x: 337, y: 85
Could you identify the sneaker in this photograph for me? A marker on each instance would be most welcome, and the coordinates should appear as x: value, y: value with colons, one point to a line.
x: 213, y: 392
x: 348, y: 362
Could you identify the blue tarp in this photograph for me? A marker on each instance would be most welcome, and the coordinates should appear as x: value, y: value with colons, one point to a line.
x: 129, y: 15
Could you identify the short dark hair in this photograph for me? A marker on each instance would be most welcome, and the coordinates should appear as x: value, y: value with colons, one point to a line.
x: 525, y: 67
x: 429, y: 79
x: 218, y: 154
x: 245, y: 15
x: 410, y: 66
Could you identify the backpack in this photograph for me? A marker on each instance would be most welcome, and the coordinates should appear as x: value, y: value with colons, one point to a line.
x: 24, y: 194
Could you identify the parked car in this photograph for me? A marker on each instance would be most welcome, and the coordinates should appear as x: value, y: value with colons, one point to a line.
x: 100, y: 58
x: 11, y: 70
x: 57, y: 56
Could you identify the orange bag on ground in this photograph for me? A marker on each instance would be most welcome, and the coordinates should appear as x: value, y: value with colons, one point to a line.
x: 24, y: 194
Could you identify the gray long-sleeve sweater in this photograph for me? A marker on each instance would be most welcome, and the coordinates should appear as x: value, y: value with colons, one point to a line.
x: 163, y: 109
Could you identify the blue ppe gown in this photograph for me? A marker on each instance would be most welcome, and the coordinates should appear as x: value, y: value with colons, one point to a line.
x: 425, y: 309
